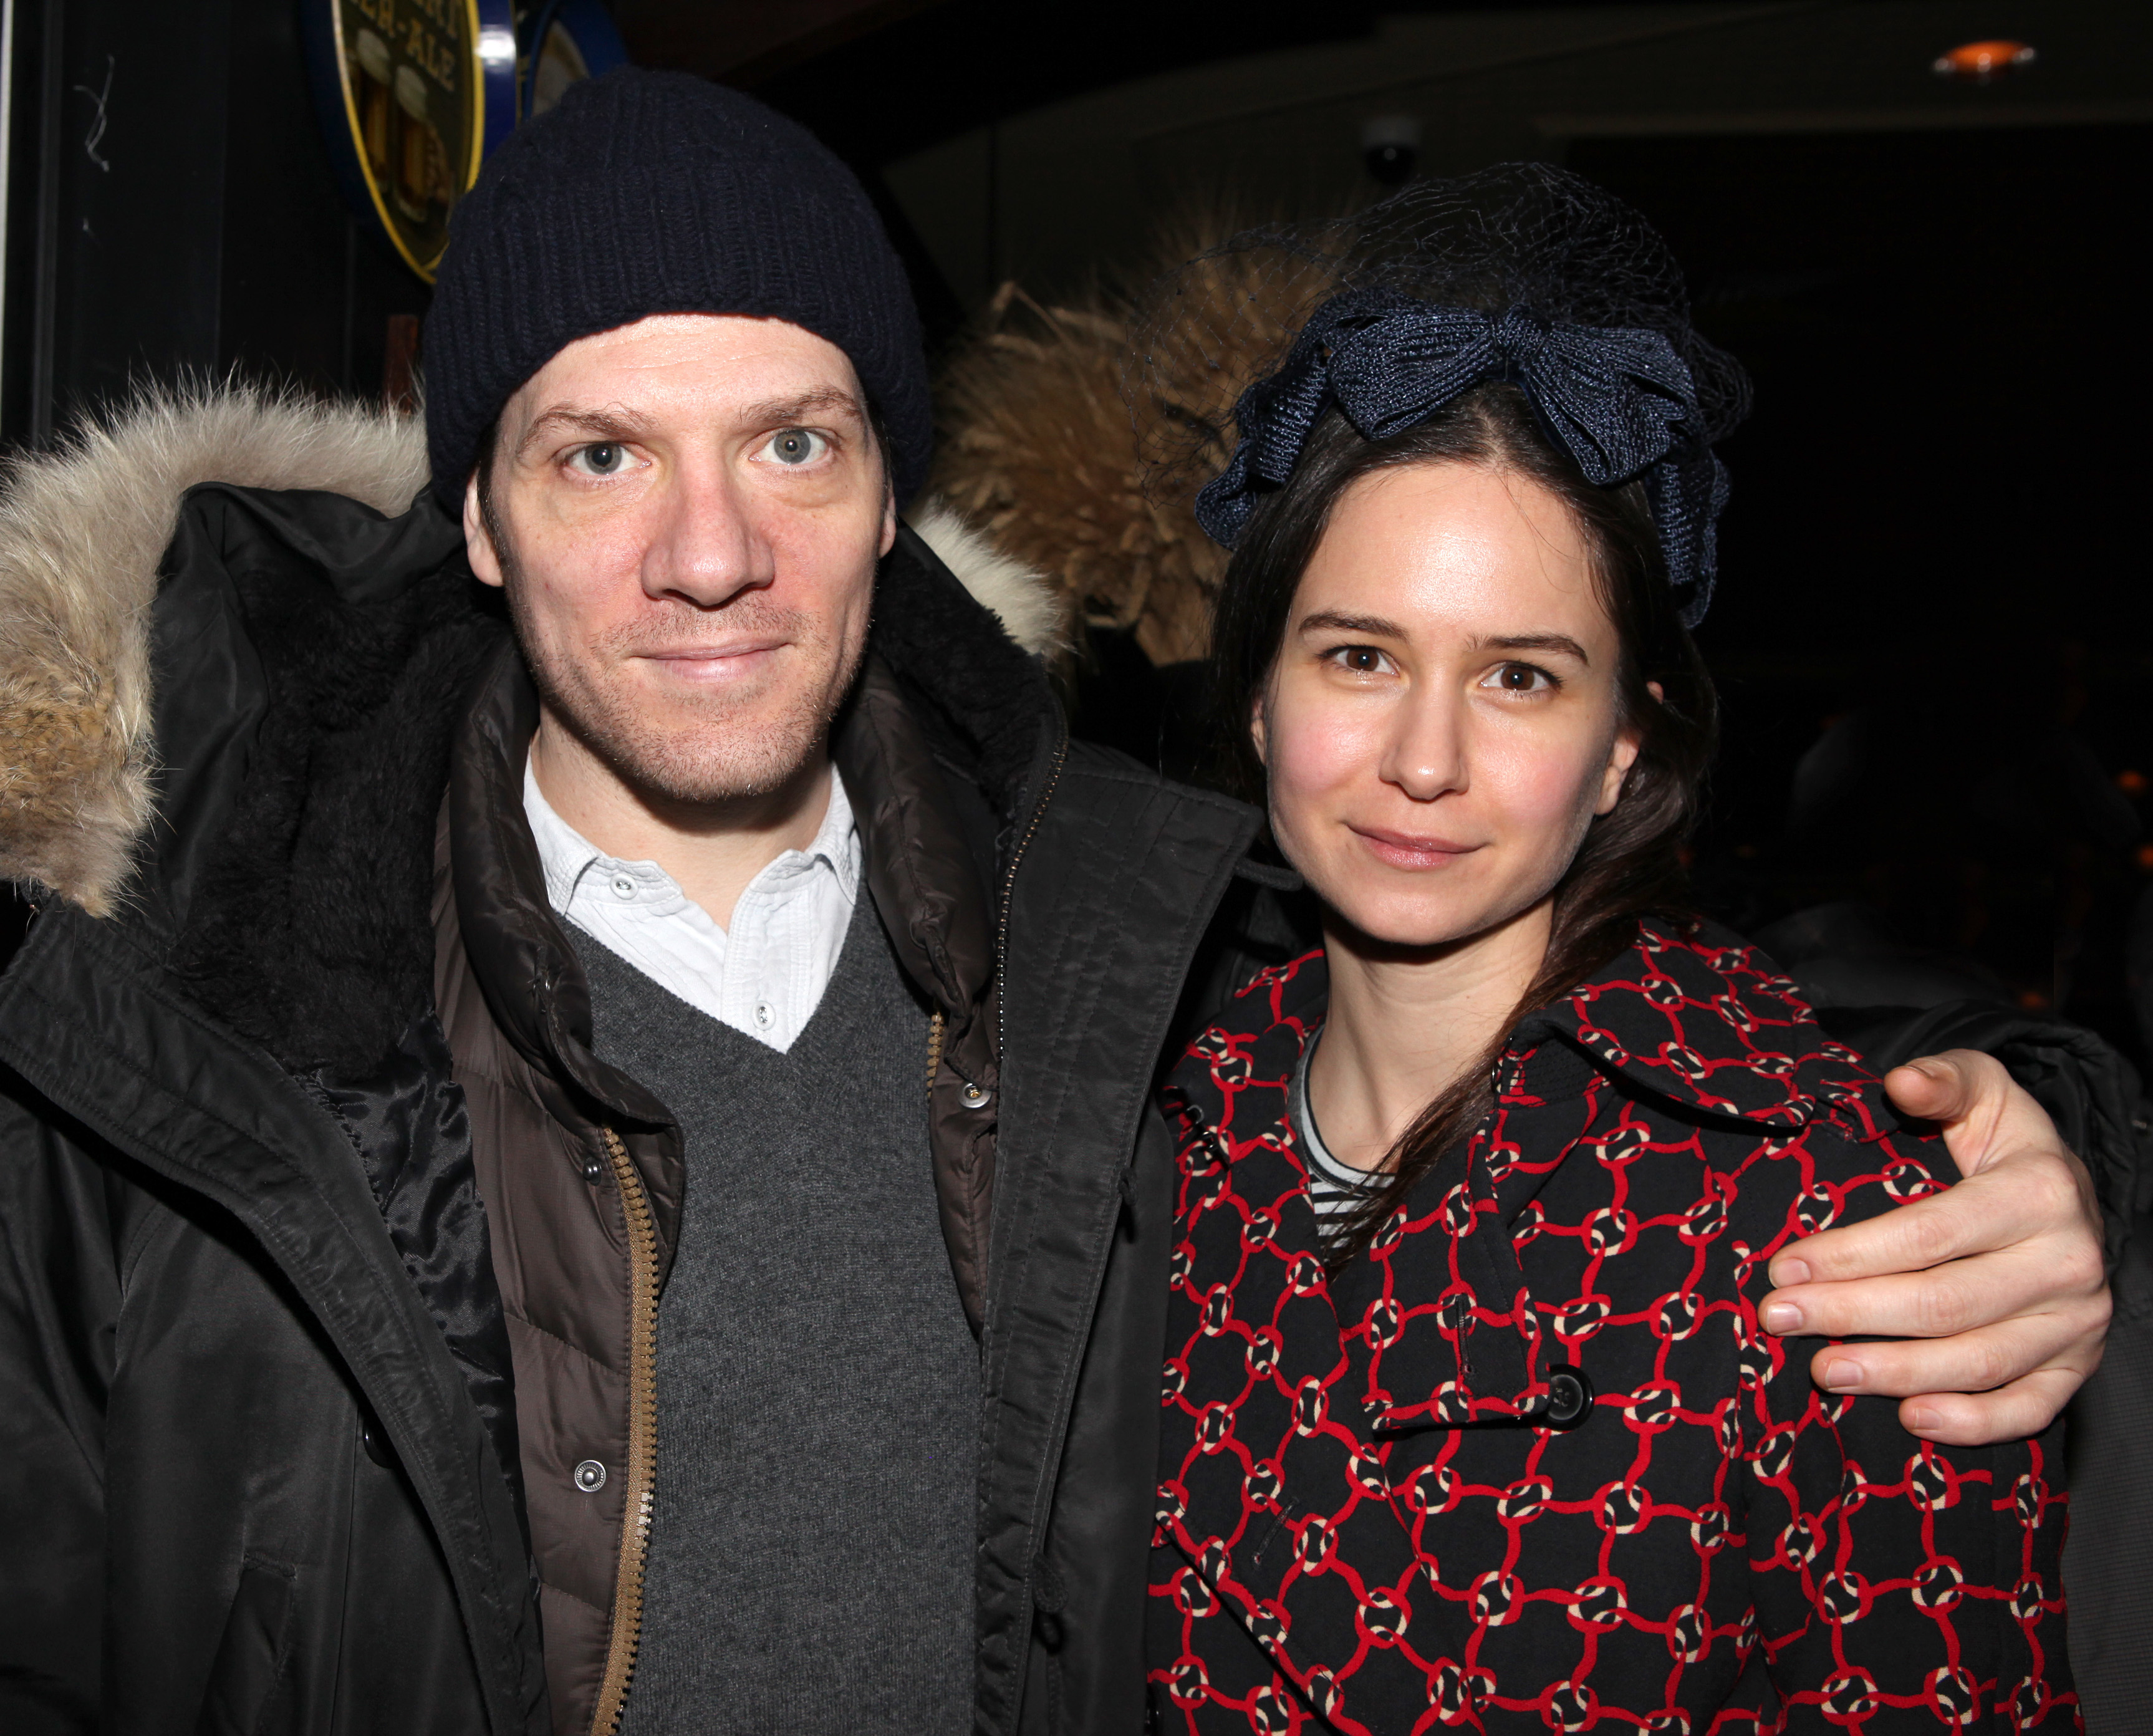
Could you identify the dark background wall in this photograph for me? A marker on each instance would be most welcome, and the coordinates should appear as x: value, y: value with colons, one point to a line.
x: 171, y: 212
x: 1933, y: 635
x: 1933, y: 643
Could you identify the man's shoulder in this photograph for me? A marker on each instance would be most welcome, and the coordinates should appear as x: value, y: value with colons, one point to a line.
x: 1105, y: 817
x: 1109, y: 769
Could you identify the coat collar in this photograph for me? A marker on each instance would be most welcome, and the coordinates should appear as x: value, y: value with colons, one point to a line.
x: 87, y: 734
x: 1698, y: 1017
x: 1693, y: 1015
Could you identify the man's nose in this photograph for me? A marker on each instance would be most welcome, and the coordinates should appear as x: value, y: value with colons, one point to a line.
x: 705, y: 547
x: 1425, y: 755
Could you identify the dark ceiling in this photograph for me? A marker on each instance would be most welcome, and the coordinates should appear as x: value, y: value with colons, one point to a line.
x: 834, y: 64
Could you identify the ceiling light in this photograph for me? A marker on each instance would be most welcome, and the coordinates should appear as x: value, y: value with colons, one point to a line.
x: 1979, y: 62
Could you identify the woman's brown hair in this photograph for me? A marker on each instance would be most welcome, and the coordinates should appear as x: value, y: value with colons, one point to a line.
x: 1630, y: 863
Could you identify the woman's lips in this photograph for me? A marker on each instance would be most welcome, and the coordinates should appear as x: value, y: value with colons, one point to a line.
x: 1403, y: 850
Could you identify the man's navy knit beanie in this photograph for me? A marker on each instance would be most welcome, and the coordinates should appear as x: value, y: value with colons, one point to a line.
x: 649, y: 192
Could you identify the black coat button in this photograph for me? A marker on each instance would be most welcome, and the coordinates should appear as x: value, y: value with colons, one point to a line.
x: 376, y: 1444
x: 1569, y: 1398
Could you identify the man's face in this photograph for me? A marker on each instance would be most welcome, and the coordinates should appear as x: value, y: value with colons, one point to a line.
x: 687, y: 513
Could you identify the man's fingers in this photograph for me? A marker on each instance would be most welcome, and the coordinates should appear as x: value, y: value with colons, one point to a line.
x: 1986, y: 1117
x: 2067, y: 1343
x: 1976, y: 1419
x: 2015, y: 1202
x: 1961, y: 1297
x: 1943, y: 1087
x: 1994, y: 1288
x: 1919, y: 1234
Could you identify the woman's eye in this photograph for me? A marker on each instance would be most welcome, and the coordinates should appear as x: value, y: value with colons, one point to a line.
x: 796, y: 446
x: 1359, y: 659
x: 1521, y: 678
x: 607, y: 458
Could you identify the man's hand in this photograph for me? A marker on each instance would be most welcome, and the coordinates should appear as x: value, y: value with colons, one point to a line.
x: 2001, y: 1276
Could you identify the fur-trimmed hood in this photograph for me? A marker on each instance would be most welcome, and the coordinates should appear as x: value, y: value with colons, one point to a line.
x: 84, y: 531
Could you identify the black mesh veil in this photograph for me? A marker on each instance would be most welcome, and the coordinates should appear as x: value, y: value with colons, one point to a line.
x: 1519, y: 235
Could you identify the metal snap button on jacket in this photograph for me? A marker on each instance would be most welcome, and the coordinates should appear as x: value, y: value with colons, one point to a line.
x: 590, y: 1476
x: 974, y: 1095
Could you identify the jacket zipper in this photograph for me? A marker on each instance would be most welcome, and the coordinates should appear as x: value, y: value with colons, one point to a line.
x: 641, y: 1437
x: 1009, y: 896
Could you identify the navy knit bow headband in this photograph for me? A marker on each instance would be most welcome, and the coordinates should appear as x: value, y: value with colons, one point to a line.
x: 1618, y: 399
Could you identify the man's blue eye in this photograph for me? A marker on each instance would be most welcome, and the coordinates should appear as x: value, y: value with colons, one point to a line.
x: 605, y: 458
x: 796, y: 445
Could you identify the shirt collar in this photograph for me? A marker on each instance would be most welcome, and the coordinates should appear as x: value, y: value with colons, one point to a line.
x: 836, y: 840
x: 563, y: 852
x: 567, y: 856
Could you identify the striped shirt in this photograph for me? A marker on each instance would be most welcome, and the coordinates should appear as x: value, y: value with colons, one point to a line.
x: 1334, y: 1188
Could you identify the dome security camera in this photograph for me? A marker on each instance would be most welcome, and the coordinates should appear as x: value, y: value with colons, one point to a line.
x: 1390, y: 146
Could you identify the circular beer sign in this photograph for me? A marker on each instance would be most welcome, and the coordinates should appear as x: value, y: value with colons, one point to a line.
x: 410, y: 91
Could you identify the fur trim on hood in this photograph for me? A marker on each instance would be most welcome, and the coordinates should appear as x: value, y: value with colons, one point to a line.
x: 1030, y: 608
x: 1037, y: 443
x: 1053, y: 427
x: 82, y: 530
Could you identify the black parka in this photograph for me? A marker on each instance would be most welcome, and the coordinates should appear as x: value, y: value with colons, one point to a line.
x: 255, y: 1392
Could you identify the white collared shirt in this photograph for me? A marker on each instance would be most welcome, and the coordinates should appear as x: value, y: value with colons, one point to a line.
x: 764, y: 975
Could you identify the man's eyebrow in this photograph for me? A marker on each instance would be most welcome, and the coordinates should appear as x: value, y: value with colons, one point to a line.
x: 613, y: 422
x: 1330, y: 620
x: 778, y: 412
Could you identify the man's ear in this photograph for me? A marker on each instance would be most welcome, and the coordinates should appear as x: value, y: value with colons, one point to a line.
x: 888, y: 519
x: 478, y: 541
x: 1256, y: 733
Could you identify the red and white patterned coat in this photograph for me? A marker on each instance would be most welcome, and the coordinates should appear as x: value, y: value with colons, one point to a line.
x: 1366, y: 1522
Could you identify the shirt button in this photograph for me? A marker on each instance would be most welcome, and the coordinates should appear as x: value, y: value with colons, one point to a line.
x: 765, y: 1014
x: 623, y: 886
x: 590, y: 1476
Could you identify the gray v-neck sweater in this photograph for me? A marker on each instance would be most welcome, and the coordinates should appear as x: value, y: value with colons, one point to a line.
x: 811, y: 1552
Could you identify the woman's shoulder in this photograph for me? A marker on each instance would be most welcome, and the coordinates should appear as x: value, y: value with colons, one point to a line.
x: 1702, y: 1021
x: 1698, y: 1042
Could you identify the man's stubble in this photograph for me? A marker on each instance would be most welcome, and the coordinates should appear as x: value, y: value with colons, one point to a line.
x: 694, y: 748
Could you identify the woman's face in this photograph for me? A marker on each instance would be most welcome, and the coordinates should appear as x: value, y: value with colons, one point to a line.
x: 1443, y: 719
